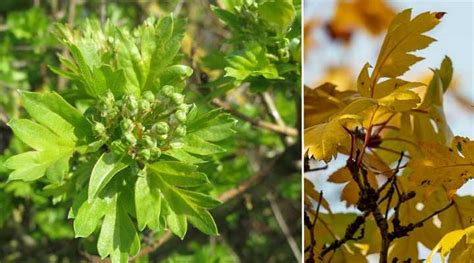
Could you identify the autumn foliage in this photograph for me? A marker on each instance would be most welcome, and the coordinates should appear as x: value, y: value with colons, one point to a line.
x: 403, y: 164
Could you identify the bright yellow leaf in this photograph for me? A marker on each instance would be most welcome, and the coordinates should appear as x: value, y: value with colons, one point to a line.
x: 444, y: 166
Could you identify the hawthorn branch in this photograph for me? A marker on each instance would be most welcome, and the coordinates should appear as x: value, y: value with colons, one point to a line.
x: 284, y: 226
x: 284, y: 130
x: 311, y: 225
x: 349, y: 235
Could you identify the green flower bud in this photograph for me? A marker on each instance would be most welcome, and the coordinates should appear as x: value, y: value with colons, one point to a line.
x: 167, y: 90
x: 160, y: 128
x: 181, y: 115
x: 184, y: 107
x: 131, y: 105
x: 163, y: 137
x: 148, y: 141
x: 126, y: 125
x: 144, y: 154
x: 149, y: 96
x: 109, y: 99
x: 99, y: 128
x: 145, y: 105
x: 155, y: 152
x: 130, y: 138
x: 284, y: 54
x: 180, y: 131
x: 177, y: 98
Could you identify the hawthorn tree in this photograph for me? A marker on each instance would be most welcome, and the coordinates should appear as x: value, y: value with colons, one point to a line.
x: 149, y: 120
x: 403, y: 164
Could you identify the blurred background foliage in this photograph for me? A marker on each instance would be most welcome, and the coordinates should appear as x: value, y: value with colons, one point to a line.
x: 261, y: 164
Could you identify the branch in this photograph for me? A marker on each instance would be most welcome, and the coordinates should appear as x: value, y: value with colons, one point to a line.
x: 288, y: 131
x: 284, y: 227
x: 70, y: 21
x: 351, y: 230
x: 311, y: 225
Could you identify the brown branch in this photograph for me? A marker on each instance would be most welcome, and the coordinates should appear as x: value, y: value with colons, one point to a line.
x: 288, y: 131
x: 284, y: 226
x: 311, y: 225
x: 351, y: 230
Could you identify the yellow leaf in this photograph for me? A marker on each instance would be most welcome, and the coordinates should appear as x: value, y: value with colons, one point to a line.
x: 449, y: 241
x: 322, y: 141
x: 363, y: 81
x: 350, y: 192
x: 402, y: 98
x: 404, y: 35
x: 444, y: 166
x: 372, y: 15
x: 309, y: 192
x: 322, y: 102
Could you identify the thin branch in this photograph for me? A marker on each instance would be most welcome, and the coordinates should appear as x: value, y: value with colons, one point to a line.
x: 288, y: 131
x: 351, y: 230
x: 103, y: 12
x: 284, y: 227
x: 70, y: 20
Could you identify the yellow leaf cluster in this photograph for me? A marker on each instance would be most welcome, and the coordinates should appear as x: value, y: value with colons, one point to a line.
x: 449, y: 167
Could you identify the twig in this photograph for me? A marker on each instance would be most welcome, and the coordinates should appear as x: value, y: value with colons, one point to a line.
x: 70, y: 20
x: 288, y: 131
x: 274, y: 114
x: 351, y: 230
x: 103, y: 11
x: 284, y: 226
x: 311, y: 226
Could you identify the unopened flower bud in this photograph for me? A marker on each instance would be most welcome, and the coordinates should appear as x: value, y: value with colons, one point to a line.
x: 180, y: 115
x: 99, y: 128
x: 148, y: 141
x: 149, y: 96
x: 130, y: 138
x: 144, y: 105
x: 126, y: 125
x: 181, y: 131
x: 163, y: 137
x: 177, y: 98
x: 144, y: 154
x: 131, y: 105
x: 167, y: 90
x: 109, y: 99
x: 160, y: 128
x: 155, y: 152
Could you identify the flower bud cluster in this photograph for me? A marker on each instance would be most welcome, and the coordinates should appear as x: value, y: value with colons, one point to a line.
x: 142, y: 126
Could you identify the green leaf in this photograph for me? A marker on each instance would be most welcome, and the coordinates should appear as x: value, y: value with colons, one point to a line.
x: 177, y: 224
x: 88, y: 216
x: 106, y: 167
x: 196, y: 145
x: 183, y: 156
x: 118, y: 236
x: 181, y: 202
x: 213, y: 130
x: 251, y: 62
x: 37, y: 136
x: 147, y: 204
x: 52, y: 152
x: 52, y: 111
x: 179, y: 173
x: 279, y: 14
